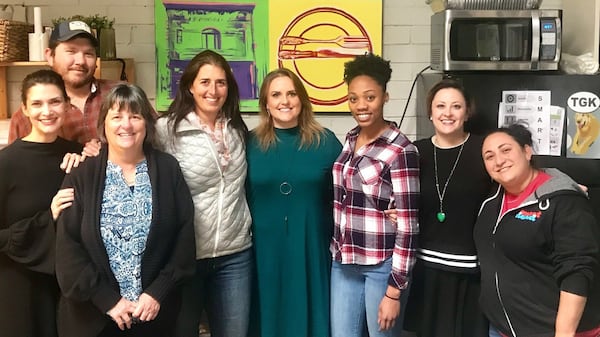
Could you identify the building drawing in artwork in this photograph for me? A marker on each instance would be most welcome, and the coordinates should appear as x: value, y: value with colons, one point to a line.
x: 226, y: 28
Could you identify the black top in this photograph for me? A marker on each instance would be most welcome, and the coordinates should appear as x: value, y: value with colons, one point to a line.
x: 30, y: 176
x: 449, y: 244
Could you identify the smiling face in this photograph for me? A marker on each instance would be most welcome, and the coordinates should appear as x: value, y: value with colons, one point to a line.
x: 209, y: 90
x: 45, y: 107
x: 449, y: 112
x: 124, y: 130
x: 283, y: 103
x: 74, y: 60
x: 507, y: 162
x: 365, y: 100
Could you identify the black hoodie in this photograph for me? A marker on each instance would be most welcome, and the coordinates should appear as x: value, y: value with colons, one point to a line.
x: 548, y: 244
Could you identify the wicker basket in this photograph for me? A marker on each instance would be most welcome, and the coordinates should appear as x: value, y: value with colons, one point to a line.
x: 14, y: 40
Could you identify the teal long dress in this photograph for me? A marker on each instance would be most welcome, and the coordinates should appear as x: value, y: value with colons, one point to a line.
x: 290, y: 197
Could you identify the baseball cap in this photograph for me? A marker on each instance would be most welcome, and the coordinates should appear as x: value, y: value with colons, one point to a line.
x: 67, y: 30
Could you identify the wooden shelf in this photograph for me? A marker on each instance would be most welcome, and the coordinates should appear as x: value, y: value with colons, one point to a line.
x: 108, y: 69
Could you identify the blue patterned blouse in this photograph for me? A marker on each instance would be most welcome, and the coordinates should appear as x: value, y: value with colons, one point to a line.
x: 125, y: 220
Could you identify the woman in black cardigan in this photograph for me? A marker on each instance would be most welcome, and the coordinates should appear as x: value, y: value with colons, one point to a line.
x: 127, y: 241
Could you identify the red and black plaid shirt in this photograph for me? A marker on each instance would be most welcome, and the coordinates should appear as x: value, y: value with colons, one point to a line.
x: 77, y: 126
x: 381, y: 175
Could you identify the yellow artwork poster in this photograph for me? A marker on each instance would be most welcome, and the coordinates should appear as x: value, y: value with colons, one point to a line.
x: 315, y: 38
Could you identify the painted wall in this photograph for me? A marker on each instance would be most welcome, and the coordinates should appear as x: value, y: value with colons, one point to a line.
x: 405, y: 43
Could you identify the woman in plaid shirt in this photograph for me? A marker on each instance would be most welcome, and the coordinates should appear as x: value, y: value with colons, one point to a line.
x: 378, y: 169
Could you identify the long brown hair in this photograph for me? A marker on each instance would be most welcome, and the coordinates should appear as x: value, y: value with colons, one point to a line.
x: 310, y: 129
x: 184, y: 101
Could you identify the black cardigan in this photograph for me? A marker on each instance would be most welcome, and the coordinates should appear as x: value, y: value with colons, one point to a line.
x: 89, y: 288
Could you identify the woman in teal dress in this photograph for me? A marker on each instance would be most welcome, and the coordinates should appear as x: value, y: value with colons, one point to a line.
x: 289, y: 190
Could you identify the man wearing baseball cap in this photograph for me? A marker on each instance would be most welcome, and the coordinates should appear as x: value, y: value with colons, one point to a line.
x: 71, y: 53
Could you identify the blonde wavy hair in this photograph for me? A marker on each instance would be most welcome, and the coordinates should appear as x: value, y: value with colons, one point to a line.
x: 310, y: 129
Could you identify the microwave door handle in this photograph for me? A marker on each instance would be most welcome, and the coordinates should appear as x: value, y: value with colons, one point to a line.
x: 536, y: 35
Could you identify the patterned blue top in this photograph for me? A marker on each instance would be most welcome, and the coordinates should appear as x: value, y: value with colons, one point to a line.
x: 125, y: 220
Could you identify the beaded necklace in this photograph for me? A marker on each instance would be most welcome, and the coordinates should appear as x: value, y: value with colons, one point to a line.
x: 441, y: 215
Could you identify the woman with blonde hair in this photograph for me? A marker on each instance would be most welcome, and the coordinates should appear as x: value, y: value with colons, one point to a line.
x: 289, y: 188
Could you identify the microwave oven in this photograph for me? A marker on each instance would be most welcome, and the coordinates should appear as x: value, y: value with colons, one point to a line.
x: 496, y: 40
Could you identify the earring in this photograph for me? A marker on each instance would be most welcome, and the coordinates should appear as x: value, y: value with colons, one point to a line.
x: 268, y: 112
x: 430, y: 118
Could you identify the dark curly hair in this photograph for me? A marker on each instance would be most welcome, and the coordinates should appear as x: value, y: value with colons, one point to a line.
x: 370, y: 65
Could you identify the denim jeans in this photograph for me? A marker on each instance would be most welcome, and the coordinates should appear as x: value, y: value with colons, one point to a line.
x: 356, y: 292
x: 222, y: 287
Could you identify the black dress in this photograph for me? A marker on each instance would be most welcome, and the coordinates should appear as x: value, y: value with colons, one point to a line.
x: 444, y: 294
x: 30, y: 176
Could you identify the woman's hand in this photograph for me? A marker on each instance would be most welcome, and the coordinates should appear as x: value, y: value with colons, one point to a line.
x: 391, y: 214
x: 91, y: 148
x: 147, y: 308
x: 63, y: 199
x: 389, y: 309
x: 122, y: 312
x: 71, y: 160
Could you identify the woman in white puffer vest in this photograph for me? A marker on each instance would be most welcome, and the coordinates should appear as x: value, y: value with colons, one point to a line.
x: 204, y: 130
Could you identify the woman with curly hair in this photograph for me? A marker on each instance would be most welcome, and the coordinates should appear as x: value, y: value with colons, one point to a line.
x: 377, y: 170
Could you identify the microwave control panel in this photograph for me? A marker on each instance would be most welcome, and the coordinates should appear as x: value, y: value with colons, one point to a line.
x: 548, y: 42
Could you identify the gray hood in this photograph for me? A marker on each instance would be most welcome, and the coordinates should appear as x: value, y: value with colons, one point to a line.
x: 558, y: 183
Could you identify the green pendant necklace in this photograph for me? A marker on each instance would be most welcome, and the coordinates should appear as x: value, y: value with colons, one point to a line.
x: 441, y: 215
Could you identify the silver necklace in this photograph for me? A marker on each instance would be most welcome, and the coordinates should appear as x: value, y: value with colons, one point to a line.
x: 441, y: 215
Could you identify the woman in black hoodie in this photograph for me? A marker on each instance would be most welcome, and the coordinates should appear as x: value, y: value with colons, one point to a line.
x: 538, y: 245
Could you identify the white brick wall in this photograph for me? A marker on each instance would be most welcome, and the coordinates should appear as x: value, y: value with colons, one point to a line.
x: 405, y: 43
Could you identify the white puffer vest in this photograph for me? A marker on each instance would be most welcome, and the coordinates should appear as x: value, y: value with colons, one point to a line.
x: 222, y: 218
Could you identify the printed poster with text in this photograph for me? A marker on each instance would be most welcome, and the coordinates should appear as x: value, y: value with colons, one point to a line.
x: 532, y: 109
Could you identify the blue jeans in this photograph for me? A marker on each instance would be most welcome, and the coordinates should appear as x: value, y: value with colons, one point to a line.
x: 222, y: 287
x: 356, y: 292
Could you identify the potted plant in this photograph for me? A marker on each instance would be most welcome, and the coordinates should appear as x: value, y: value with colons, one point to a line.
x: 102, y: 28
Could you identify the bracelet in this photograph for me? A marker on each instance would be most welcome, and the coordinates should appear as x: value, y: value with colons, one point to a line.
x: 392, y: 298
